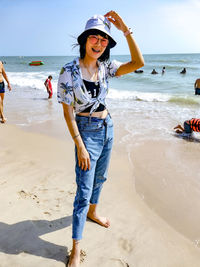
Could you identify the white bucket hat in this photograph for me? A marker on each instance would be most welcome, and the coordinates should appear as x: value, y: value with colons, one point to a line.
x: 101, y: 23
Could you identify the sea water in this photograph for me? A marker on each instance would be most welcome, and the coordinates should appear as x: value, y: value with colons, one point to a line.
x: 145, y: 105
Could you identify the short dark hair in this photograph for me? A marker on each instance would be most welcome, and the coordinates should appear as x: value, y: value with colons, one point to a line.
x: 50, y: 77
x: 106, y: 54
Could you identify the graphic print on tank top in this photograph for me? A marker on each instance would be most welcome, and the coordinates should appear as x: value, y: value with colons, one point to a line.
x: 93, y: 90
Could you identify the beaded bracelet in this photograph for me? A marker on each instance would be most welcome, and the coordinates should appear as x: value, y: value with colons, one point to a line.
x: 129, y: 31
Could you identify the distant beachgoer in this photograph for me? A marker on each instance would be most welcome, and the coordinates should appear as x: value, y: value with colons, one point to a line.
x: 189, y: 126
x: 163, y: 70
x: 82, y: 90
x: 48, y: 86
x: 2, y: 90
x: 183, y: 71
x: 197, y: 87
x: 138, y: 71
x: 154, y: 72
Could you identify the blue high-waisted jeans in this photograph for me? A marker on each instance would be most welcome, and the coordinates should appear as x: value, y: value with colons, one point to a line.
x: 97, y: 135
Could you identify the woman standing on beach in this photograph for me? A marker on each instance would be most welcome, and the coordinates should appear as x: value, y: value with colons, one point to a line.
x: 82, y: 89
x: 2, y: 90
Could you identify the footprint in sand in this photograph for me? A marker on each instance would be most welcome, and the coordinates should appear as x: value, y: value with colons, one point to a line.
x: 61, y: 191
x: 119, y: 263
x: 71, y: 192
x: 125, y: 245
x: 83, y: 255
x: 47, y: 213
x: 32, y: 163
x: 23, y: 194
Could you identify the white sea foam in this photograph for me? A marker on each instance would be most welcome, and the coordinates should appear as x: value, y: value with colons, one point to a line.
x: 144, y: 105
x: 138, y: 96
x: 34, y: 80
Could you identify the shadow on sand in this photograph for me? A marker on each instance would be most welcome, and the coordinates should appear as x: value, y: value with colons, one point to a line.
x: 25, y: 237
x: 40, y: 98
x: 186, y: 137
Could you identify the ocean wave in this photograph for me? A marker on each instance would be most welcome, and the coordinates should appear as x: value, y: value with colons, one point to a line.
x: 33, y: 80
x: 153, y: 97
x: 153, y: 89
x: 184, y: 100
x: 170, y: 60
x: 138, y: 96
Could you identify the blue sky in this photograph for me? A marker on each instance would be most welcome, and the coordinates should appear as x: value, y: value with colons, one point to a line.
x: 46, y: 27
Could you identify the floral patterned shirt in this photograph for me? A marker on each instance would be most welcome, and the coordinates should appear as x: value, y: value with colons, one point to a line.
x: 72, y: 91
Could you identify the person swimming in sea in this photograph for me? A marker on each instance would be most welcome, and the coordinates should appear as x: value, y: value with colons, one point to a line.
x: 154, y: 72
x: 183, y: 71
x: 163, y: 70
x: 138, y: 71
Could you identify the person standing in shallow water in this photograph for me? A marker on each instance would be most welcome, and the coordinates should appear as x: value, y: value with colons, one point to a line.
x: 197, y: 87
x: 163, y: 70
x: 82, y: 90
x: 48, y: 86
x: 2, y: 90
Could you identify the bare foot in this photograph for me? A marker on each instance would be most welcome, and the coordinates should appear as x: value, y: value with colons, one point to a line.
x: 74, y: 259
x: 3, y: 120
x: 103, y: 221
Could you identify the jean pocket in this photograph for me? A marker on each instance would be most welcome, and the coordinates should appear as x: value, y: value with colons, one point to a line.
x: 90, y: 127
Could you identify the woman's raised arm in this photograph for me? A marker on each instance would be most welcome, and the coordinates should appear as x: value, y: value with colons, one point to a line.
x: 137, y: 60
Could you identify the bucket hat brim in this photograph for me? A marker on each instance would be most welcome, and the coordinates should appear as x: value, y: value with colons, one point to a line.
x: 100, y: 23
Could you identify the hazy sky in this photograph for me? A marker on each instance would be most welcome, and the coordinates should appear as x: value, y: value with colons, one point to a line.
x: 46, y: 27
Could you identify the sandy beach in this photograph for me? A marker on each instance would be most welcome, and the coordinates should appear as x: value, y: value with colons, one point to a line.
x: 152, y: 193
x: 151, y: 197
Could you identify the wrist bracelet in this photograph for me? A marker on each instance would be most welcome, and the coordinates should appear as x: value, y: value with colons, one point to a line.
x: 129, y: 31
x: 76, y: 136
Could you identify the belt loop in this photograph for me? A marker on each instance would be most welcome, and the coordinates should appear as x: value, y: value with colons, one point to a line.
x: 90, y: 118
x: 105, y: 124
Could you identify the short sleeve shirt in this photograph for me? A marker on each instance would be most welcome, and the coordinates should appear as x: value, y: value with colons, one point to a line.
x: 72, y: 91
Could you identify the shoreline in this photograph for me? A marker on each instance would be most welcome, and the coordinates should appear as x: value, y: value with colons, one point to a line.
x: 37, y: 191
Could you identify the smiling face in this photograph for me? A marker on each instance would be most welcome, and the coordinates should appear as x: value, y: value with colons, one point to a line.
x: 96, y: 45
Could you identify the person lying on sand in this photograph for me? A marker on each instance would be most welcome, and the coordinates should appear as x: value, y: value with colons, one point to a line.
x: 189, y: 126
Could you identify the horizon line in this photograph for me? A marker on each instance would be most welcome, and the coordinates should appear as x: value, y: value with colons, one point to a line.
x: 145, y: 54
